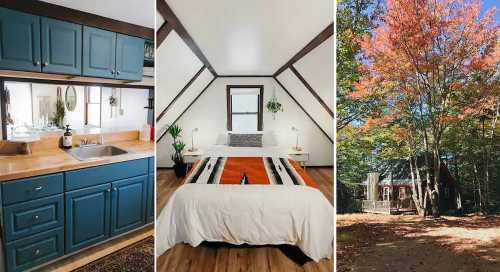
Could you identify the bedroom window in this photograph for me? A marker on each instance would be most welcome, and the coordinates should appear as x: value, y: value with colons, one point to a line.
x: 244, y: 107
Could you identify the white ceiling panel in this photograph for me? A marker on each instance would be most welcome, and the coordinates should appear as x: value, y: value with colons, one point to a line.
x: 252, y: 37
x: 139, y: 12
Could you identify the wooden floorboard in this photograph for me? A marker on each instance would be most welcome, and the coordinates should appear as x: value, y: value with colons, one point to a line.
x: 221, y: 257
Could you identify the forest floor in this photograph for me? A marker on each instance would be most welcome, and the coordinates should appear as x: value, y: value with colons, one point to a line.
x: 375, y: 242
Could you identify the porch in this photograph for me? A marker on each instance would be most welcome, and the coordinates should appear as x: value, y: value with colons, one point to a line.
x: 388, y: 206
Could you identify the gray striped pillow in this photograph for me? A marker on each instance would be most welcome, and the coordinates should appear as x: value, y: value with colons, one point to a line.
x: 245, y: 140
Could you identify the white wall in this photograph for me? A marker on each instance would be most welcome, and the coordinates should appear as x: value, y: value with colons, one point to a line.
x: 175, y: 65
x: 133, y: 103
x: 208, y: 114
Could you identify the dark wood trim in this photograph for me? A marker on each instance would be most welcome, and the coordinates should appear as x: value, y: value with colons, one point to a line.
x: 304, y: 110
x: 260, y: 114
x: 3, y: 110
x: 77, y: 83
x: 162, y: 33
x: 313, y: 92
x: 319, y: 39
x: 79, y: 17
x: 245, y: 75
x: 176, y: 24
x: 163, y: 112
x: 187, y: 108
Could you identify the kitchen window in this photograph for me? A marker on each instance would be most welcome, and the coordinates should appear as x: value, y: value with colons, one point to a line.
x: 93, y: 106
x: 244, y: 107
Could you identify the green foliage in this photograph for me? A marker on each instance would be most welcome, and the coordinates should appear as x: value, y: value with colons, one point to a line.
x: 175, y: 131
x: 60, y: 113
x: 274, y: 106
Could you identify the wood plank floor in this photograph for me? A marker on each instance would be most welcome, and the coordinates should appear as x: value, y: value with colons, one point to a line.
x: 222, y: 257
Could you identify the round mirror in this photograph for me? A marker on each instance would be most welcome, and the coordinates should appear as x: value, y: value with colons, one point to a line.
x: 70, y: 98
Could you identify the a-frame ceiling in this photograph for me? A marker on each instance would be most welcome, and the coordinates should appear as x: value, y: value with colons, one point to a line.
x: 241, y: 37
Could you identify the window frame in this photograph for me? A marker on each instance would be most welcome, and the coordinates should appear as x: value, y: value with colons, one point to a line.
x: 260, y: 109
x: 86, y: 94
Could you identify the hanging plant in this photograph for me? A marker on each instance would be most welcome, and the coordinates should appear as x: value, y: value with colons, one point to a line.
x: 274, y: 106
x: 113, y: 101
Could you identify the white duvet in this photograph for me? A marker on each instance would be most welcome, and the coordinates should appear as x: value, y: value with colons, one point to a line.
x: 251, y: 214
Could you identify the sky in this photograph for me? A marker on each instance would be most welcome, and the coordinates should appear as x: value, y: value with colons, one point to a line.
x: 487, y: 4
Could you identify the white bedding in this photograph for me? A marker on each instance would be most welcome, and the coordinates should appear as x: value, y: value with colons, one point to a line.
x: 251, y: 214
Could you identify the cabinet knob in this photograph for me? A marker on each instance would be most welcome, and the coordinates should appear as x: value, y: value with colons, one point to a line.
x: 112, y: 72
x: 109, y: 190
x: 37, y: 252
x: 114, y: 189
x: 36, y: 217
x: 37, y: 63
x: 36, y: 189
x: 117, y: 72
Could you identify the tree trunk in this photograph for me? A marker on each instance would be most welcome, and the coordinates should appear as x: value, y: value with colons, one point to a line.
x: 437, y: 184
x: 415, y: 189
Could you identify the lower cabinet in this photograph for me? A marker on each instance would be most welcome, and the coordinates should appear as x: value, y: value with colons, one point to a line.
x: 87, y: 216
x: 150, y: 210
x: 128, y: 204
x: 34, y: 250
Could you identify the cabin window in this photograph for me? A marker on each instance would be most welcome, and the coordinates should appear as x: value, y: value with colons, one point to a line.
x: 386, y: 195
x: 402, y: 193
x: 244, y: 107
x: 93, y: 106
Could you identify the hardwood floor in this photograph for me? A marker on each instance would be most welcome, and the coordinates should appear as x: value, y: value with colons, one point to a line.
x: 222, y: 257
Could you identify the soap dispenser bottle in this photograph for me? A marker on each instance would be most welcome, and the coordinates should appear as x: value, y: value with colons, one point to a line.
x: 67, y: 141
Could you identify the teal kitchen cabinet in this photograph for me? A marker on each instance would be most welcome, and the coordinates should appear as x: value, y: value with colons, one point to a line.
x: 99, y: 52
x: 129, y: 57
x: 61, y: 47
x: 19, y: 41
x: 87, y: 216
x: 128, y: 204
x: 150, y: 210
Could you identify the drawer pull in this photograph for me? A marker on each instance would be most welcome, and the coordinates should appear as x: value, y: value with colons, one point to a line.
x: 37, y: 252
x: 36, y: 189
x: 36, y: 217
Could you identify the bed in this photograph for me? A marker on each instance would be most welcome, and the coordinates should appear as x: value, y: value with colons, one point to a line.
x: 248, y: 195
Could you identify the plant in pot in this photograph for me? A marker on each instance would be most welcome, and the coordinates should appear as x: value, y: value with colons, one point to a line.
x: 274, y: 106
x: 179, y: 165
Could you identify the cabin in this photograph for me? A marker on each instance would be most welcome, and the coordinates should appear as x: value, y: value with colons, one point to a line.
x: 390, y: 190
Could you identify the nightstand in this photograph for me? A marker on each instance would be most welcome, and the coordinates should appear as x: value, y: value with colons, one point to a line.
x: 190, y: 157
x: 301, y: 156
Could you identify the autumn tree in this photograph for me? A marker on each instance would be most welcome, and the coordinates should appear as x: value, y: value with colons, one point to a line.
x: 431, y: 63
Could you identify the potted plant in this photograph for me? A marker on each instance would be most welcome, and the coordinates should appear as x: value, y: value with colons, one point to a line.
x: 274, y: 106
x: 179, y: 165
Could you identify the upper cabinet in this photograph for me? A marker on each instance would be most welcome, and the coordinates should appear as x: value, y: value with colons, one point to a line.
x: 129, y: 57
x: 61, y: 47
x: 20, y: 41
x: 39, y: 44
x: 111, y: 55
x: 99, y: 51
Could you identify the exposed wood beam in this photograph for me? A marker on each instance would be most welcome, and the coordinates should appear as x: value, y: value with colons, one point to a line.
x: 245, y: 75
x: 162, y: 33
x: 180, y: 93
x: 79, y: 17
x: 187, y: 108
x: 176, y: 24
x: 319, y: 39
x: 313, y: 92
x: 304, y: 110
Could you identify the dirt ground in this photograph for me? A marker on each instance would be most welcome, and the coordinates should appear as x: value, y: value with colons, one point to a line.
x: 375, y: 242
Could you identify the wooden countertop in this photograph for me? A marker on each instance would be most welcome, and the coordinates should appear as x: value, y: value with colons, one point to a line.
x: 53, y: 160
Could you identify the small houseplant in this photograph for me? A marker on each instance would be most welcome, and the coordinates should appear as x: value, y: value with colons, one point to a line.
x: 60, y: 113
x: 274, y: 106
x: 179, y: 165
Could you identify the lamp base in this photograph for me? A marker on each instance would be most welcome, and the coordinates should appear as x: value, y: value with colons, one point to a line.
x: 297, y: 148
x: 194, y: 149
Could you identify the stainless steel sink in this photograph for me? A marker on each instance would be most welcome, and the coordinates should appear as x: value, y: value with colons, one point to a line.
x: 95, y: 151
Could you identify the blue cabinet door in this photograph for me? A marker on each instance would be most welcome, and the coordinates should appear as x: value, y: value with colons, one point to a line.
x: 61, y: 47
x: 129, y: 57
x: 150, y: 211
x: 128, y: 204
x: 19, y: 41
x: 87, y: 216
x: 99, y: 52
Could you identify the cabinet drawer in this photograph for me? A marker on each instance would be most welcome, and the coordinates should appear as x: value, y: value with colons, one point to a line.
x: 86, y: 177
x: 34, y: 250
x: 151, y: 164
x: 23, y: 219
x: 31, y: 188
